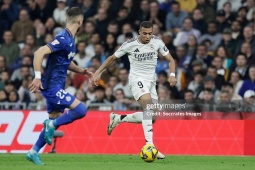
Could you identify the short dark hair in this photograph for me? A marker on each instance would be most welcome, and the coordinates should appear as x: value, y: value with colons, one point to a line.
x: 122, y: 91
x: 188, y: 91
x: 203, y: 45
x: 218, y: 57
x: 224, y: 91
x: 175, y: 3
x: 162, y: 73
x: 208, y: 90
x: 113, y: 22
x: 123, y: 8
x: 212, y: 22
x: 100, y: 88
x: 228, y: 85
x: 242, y: 54
x: 208, y: 79
x: 200, y: 72
x: 89, y: 21
x: 96, y: 58
x: 129, y: 35
x: 212, y: 67
x: 74, y: 11
x: 154, y: 1
x: 146, y: 24
x: 252, y: 66
x: 81, y: 41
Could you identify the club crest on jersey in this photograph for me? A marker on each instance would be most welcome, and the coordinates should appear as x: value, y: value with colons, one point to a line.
x: 152, y: 46
x: 68, y: 98
x: 71, y: 55
x: 55, y: 42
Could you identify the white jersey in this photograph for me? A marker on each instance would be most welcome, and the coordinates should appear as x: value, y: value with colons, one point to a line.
x: 142, y: 57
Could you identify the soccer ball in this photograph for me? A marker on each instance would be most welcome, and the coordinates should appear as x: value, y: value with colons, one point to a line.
x: 149, y: 153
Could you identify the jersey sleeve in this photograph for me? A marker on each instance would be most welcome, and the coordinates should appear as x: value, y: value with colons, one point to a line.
x: 59, y: 43
x: 122, y: 50
x: 162, y: 48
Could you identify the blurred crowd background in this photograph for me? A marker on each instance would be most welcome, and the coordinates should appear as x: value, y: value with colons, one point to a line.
x: 212, y: 42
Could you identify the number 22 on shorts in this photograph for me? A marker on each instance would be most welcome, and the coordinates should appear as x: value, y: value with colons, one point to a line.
x: 61, y: 93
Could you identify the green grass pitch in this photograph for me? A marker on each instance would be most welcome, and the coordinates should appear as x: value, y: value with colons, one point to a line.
x: 125, y: 162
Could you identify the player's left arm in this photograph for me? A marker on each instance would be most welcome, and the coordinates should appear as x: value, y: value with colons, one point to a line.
x: 172, y: 68
x: 73, y: 67
x: 165, y: 52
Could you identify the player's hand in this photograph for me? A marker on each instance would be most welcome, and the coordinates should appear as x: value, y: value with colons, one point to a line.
x: 88, y: 74
x: 95, y: 80
x: 35, y: 85
x: 172, y: 81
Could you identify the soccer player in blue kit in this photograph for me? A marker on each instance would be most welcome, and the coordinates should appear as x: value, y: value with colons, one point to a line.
x: 60, y: 54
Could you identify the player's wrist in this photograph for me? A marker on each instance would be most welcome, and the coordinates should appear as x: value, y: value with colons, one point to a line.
x: 172, y: 74
x: 84, y: 70
x: 38, y: 75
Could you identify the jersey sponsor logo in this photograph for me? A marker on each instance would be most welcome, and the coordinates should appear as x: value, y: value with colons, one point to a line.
x: 137, y: 50
x: 55, y: 42
x: 71, y: 55
x: 145, y: 56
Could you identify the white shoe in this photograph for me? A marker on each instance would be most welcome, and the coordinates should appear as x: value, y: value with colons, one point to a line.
x: 114, y: 121
x: 160, y: 155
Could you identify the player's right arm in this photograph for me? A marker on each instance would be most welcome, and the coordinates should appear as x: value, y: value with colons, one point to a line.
x: 109, y: 61
x: 38, y: 58
x: 59, y: 43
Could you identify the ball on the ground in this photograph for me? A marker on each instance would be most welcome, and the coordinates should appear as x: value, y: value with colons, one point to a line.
x: 149, y: 153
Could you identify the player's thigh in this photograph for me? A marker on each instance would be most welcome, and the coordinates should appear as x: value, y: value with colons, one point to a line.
x: 54, y: 110
x: 153, y: 92
x: 58, y: 99
x: 141, y: 92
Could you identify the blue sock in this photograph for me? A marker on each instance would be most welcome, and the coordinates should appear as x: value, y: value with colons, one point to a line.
x: 40, y: 141
x: 77, y: 113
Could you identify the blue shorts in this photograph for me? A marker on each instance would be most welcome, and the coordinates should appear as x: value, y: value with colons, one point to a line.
x: 57, y: 99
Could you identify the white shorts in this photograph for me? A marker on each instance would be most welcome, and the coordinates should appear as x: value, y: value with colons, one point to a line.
x: 141, y: 87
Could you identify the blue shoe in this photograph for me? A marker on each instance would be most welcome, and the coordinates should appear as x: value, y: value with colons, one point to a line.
x: 35, y: 158
x: 49, y: 132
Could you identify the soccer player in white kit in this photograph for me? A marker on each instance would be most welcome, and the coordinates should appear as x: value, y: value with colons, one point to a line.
x: 142, y: 52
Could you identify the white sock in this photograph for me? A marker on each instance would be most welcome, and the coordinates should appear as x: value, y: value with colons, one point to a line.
x: 147, y: 126
x: 136, y: 117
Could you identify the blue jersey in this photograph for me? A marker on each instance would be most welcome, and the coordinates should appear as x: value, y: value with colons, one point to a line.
x: 53, y: 80
x: 63, y: 50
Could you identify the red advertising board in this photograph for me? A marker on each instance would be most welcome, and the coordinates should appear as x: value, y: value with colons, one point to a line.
x: 20, y: 129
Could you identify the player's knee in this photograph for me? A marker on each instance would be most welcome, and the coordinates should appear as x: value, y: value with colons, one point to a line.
x: 80, y: 110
